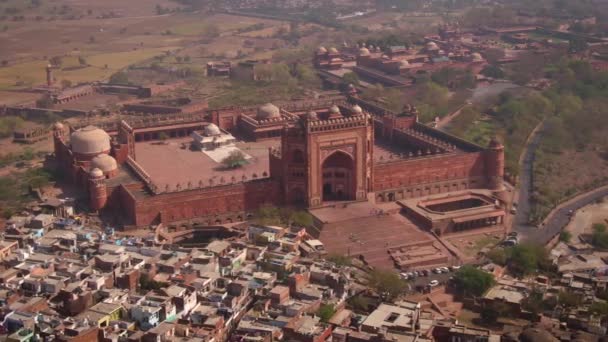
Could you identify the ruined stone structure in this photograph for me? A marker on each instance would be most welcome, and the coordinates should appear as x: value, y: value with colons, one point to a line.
x: 309, y: 154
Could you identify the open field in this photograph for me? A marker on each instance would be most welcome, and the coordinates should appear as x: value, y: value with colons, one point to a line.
x: 222, y: 22
x: 33, y: 73
x: 392, y: 20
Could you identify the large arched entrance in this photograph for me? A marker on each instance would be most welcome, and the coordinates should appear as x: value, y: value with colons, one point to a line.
x: 338, y: 177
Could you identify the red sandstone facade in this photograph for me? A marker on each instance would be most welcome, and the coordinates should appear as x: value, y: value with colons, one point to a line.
x: 338, y: 150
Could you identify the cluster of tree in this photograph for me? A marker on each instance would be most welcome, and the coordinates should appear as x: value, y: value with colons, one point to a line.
x: 250, y: 28
x: 147, y: 284
x: 523, y: 259
x: 387, y: 284
x: 471, y: 281
x: 120, y: 77
x: 8, y: 124
x: 325, y: 312
x: 599, y: 237
x: 270, y: 215
x: 454, y: 78
x: 386, y: 41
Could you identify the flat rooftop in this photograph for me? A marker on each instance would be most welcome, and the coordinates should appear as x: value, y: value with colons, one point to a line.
x: 170, y: 164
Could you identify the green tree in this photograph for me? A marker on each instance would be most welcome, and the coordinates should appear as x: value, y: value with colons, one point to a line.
x: 569, y: 299
x: 339, y: 259
x: 119, y: 78
x: 577, y: 45
x: 528, y: 258
x: 268, y: 215
x: 350, y: 78
x: 325, y: 312
x: 163, y: 136
x: 56, y: 61
x: 472, y: 281
x: 490, y: 313
x: 498, y: 256
x: 235, y: 160
x: 45, y: 102
x: 301, y: 218
x: 565, y: 236
x: 387, y: 284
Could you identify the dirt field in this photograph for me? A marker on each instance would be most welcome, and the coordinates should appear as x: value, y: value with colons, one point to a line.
x: 584, y: 219
x: 471, y: 243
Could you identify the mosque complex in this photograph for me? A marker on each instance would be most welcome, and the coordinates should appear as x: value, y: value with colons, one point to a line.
x: 309, y: 154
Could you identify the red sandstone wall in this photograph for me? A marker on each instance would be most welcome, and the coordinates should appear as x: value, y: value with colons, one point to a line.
x: 212, y: 202
x: 428, y: 170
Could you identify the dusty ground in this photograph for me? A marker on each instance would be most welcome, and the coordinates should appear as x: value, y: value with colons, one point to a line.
x: 584, y: 218
x: 471, y: 243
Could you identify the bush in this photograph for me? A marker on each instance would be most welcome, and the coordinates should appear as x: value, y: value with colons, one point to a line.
x: 472, y: 281
x: 325, y: 312
x: 565, y: 236
x: 387, y: 284
x: 235, y: 160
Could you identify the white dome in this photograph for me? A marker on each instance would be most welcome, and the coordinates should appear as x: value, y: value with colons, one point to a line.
x: 476, y: 56
x: 363, y: 52
x: 90, y: 140
x: 432, y: 46
x: 104, y: 163
x: 404, y: 63
x: 58, y: 126
x: 321, y: 49
x: 312, y: 115
x: 96, y: 173
x: 212, y: 129
x: 334, y: 110
x: 357, y: 109
x: 268, y: 111
x: 333, y: 50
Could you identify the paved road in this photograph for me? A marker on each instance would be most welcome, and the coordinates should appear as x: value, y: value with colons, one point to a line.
x: 561, y: 216
x: 521, y: 218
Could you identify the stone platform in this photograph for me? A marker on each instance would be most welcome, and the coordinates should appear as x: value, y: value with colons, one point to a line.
x: 362, y: 229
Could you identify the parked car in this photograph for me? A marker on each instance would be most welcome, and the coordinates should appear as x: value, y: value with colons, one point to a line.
x: 425, y: 273
x: 513, y: 210
x: 454, y: 268
x: 433, y: 283
x: 404, y: 276
x: 437, y: 270
x: 445, y: 270
x: 509, y: 242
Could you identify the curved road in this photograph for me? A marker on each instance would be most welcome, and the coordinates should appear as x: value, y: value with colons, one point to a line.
x: 521, y: 219
x: 560, y: 216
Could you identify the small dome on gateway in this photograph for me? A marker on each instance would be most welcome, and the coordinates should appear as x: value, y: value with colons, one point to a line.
x: 404, y: 63
x: 312, y: 115
x: 357, y: 109
x: 332, y: 50
x: 212, y: 129
x: 104, y: 162
x: 363, y: 52
x: 58, y: 126
x: 90, y: 140
x: 334, y: 109
x: 321, y: 49
x: 268, y: 111
x: 96, y: 173
x: 476, y: 57
x: 432, y: 46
